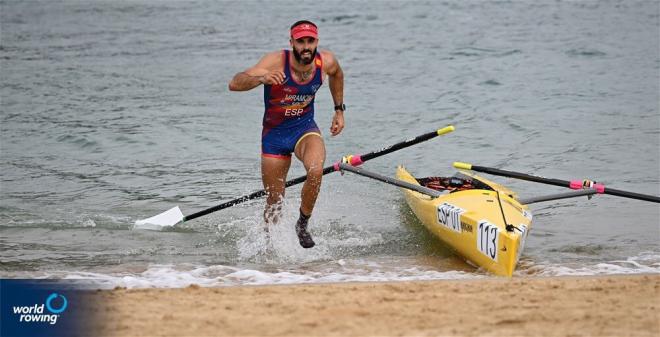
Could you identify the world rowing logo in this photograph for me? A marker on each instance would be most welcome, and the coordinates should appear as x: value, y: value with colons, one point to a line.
x: 55, y: 303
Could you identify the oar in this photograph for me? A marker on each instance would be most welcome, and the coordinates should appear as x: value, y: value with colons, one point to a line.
x: 573, y: 184
x: 558, y: 196
x: 434, y: 193
x: 392, y: 181
x: 174, y: 215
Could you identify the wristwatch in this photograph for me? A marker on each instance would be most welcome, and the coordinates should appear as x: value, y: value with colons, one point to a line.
x: 341, y: 107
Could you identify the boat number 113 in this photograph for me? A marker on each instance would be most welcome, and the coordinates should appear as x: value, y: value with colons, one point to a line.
x: 487, y: 239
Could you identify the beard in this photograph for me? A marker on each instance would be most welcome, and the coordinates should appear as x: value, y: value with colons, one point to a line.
x: 299, y: 58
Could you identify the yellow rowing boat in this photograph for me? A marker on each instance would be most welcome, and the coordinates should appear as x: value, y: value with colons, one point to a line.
x: 481, y: 220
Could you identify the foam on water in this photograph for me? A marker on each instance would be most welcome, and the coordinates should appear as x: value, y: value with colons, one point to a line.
x: 645, y: 263
x: 170, y: 276
x: 358, y: 270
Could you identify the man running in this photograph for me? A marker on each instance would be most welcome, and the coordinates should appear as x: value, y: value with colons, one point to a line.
x: 291, y: 79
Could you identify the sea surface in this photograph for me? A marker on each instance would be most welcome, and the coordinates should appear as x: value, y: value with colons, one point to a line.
x: 114, y: 111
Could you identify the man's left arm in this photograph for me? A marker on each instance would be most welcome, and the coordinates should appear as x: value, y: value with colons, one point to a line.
x: 336, y: 84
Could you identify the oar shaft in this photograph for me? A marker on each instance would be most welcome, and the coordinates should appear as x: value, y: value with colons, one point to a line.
x: 227, y: 204
x: 558, y: 196
x: 392, y: 181
x: 407, y: 143
x: 557, y: 182
x: 632, y: 195
x: 522, y: 176
x: 354, y: 160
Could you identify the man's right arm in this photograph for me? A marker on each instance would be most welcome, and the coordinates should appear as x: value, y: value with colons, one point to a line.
x: 261, y: 73
x: 243, y: 81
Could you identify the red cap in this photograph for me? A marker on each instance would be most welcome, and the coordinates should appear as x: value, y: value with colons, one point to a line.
x: 304, y: 30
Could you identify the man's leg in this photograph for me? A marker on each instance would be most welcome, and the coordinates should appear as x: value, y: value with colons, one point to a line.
x: 311, y: 151
x: 273, y: 176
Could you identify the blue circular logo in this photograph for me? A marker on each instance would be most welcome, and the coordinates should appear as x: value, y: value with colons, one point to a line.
x: 51, y: 298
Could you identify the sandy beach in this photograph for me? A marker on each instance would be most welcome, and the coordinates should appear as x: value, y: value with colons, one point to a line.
x: 560, y: 306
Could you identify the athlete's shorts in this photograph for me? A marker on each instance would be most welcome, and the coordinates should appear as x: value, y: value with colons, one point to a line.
x: 280, y: 143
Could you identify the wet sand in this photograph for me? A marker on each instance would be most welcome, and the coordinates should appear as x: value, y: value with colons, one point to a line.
x: 559, y: 306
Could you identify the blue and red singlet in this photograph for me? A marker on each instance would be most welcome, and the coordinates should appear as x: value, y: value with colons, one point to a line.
x: 289, y: 113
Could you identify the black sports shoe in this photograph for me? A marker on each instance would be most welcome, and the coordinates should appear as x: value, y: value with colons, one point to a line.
x: 304, y: 237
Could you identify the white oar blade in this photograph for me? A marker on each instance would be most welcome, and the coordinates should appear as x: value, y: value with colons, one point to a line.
x: 161, y: 221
